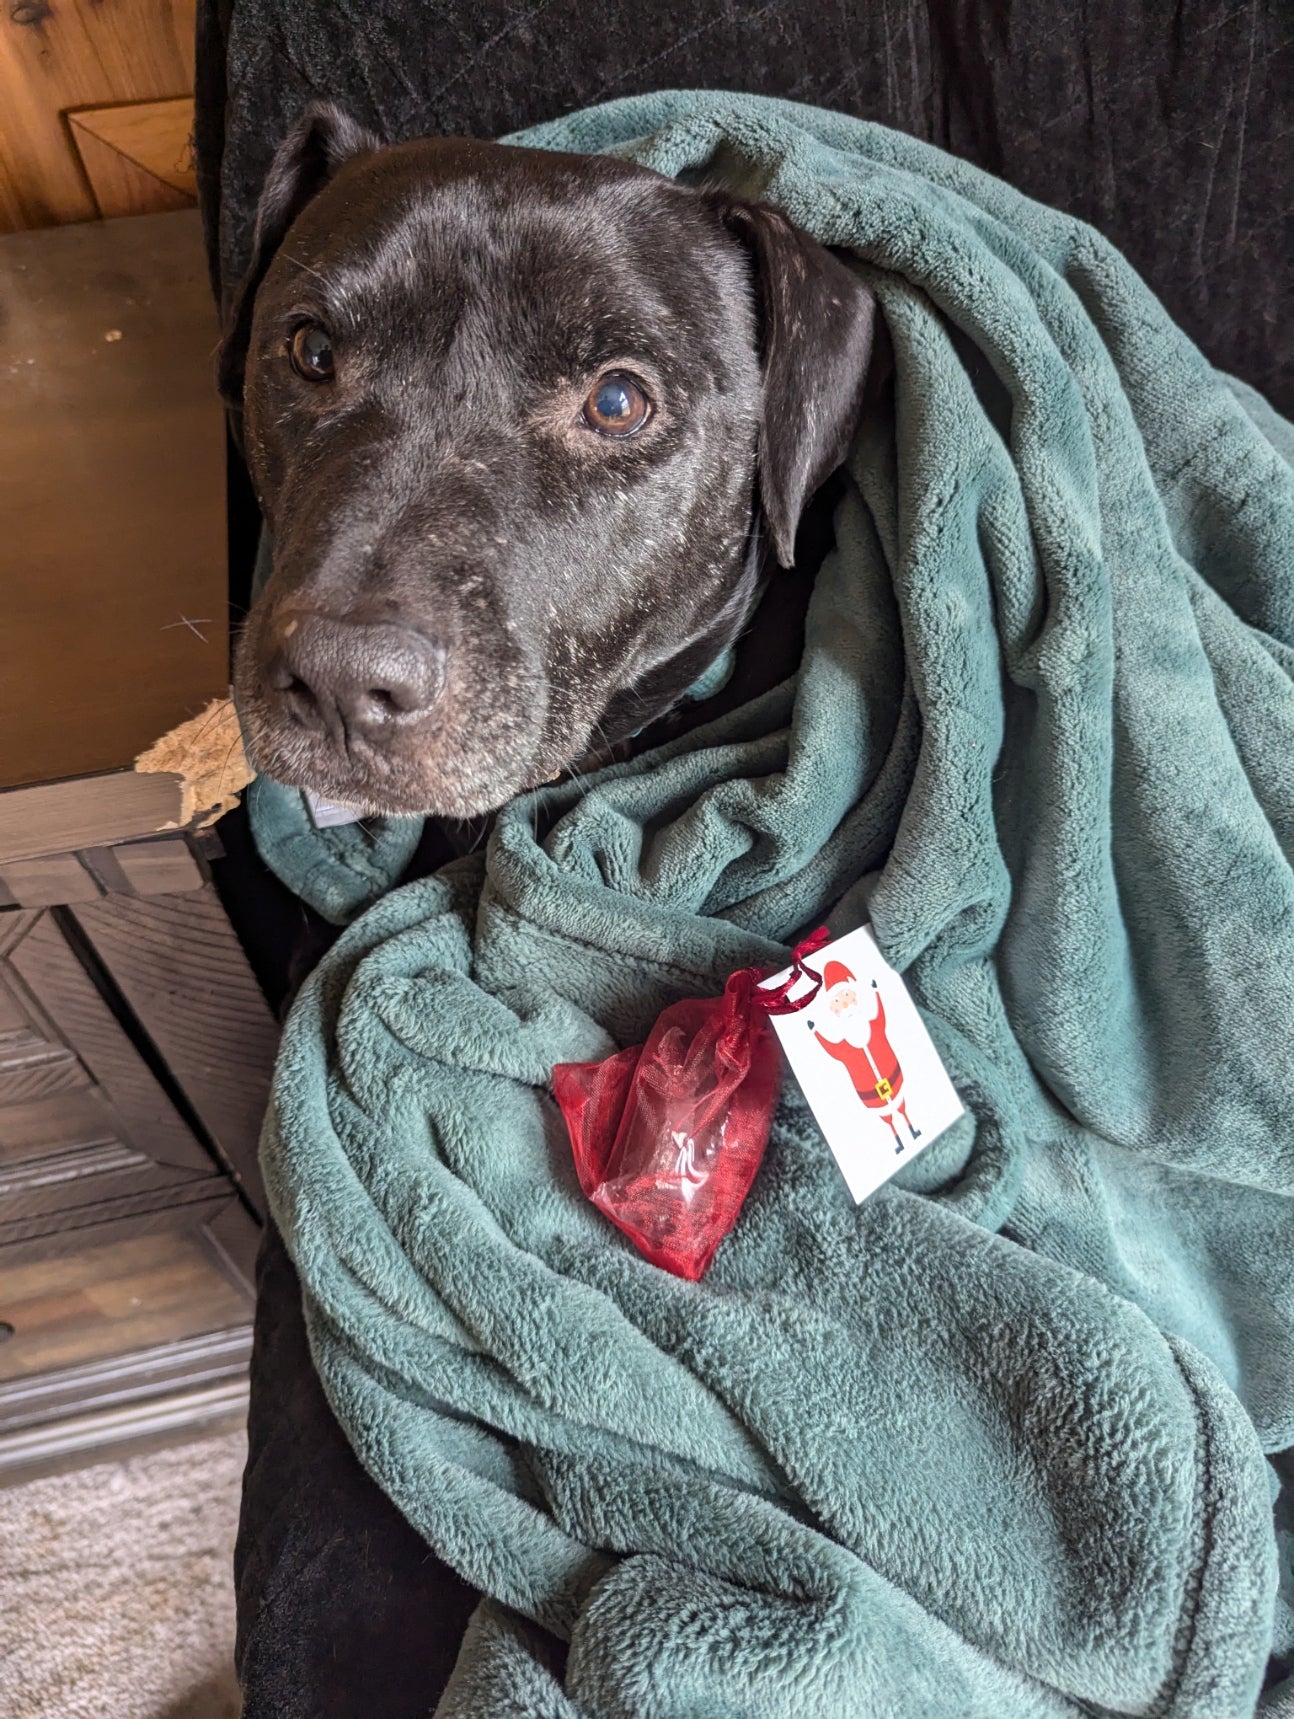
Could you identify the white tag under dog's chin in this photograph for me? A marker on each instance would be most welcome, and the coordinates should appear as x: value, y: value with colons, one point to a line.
x: 329, y: 814
x: 865, y: 1062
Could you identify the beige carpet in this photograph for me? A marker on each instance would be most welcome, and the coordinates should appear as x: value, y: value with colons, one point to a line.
x: 116, y: 1591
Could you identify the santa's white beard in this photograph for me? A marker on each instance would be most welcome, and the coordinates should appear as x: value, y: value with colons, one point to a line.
x: 854, y: 1028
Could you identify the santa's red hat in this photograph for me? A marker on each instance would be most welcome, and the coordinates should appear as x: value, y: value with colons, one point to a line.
x: 836, y: 973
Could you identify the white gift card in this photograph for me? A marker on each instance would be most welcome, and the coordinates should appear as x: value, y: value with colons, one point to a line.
x: 865, y: 1062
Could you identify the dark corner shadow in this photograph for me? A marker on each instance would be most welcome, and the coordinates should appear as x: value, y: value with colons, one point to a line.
x: 216, y: 1697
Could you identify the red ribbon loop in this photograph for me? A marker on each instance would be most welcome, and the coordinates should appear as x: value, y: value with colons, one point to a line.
x: 778, y: 1001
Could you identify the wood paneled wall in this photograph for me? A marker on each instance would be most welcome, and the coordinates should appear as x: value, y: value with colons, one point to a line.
x: 95, y: 109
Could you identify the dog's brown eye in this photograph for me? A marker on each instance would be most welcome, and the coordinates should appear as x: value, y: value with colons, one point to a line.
x: 312, y: 353
x: 616, y: 407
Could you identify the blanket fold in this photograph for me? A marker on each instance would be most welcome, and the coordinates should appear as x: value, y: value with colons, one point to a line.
x: 993, y: 1442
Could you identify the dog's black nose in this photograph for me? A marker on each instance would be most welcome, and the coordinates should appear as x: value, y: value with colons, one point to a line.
x: 360, y: 677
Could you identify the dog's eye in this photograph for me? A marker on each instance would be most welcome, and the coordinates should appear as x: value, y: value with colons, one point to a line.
x: 311, y: 349
x: 616, y: 406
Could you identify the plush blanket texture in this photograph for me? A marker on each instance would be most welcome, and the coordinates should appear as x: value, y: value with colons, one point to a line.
x: 993, y: 1442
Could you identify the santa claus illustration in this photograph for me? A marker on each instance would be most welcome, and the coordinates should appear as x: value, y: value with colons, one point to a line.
x: 853, y: 1032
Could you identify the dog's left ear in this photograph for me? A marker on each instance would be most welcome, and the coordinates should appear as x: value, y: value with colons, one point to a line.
x: 817, y: 334
x: 319, y: 141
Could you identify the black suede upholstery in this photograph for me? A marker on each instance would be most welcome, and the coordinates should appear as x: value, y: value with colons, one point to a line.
x: 1166, y: 125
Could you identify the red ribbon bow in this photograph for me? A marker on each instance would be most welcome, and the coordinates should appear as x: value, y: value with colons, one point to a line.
x: 778, y: 1001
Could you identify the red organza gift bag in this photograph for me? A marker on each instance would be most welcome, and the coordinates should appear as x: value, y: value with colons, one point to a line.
x: 668, y: 1135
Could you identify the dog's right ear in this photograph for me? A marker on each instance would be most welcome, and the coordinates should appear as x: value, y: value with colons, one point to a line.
x: 818, y: 323
x: 315, y: 147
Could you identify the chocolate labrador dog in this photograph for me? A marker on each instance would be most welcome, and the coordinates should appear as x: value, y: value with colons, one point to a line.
x: 523, y: 427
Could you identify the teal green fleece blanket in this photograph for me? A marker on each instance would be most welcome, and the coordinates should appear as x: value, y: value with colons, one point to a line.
x: 994, y: 1442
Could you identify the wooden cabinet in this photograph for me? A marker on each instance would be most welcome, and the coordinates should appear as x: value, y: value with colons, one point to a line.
x: 113, y: 563
x: 135, y: 1046
x: 135, y: 1057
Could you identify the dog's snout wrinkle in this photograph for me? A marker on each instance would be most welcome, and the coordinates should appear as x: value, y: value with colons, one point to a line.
x: 353, y: 680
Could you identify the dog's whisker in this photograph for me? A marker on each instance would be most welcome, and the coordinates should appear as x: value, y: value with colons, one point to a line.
x: 300, y: 263
x: 191, y: 624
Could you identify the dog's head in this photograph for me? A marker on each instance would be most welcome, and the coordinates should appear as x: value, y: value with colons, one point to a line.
x: 514, y: 419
